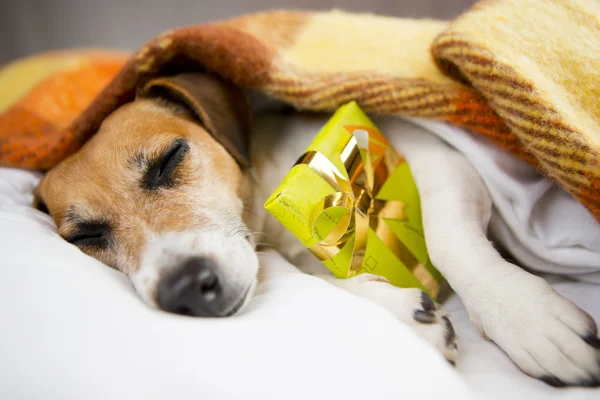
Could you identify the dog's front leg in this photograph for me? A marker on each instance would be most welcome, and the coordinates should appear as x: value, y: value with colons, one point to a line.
x: 547, y: 336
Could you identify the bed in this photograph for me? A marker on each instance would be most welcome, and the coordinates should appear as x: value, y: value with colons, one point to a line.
x: 74, y: 328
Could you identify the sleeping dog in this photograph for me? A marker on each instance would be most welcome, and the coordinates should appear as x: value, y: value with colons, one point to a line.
x: 164, y: 193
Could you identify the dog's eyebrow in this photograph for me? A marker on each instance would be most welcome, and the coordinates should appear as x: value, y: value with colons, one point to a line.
x: 90, y: 233
x: 138, y: 161
x: 72, y: 217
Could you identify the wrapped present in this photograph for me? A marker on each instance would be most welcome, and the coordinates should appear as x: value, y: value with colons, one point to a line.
x: 352, y: 201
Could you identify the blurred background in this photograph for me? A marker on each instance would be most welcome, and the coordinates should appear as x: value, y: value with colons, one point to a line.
x: 30, y: 26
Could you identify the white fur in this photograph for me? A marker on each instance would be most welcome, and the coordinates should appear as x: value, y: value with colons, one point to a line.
x: 238, y: 263
x: 540, y: 330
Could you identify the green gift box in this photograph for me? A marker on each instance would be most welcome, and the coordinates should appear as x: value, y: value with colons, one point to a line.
x: 352, y: 201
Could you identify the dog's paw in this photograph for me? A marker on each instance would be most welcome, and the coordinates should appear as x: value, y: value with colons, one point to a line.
x: 413, y: 307
x: 546, y: 335
x: 433, y: 324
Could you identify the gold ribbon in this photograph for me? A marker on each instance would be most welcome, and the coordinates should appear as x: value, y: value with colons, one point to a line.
x: 368, y: 161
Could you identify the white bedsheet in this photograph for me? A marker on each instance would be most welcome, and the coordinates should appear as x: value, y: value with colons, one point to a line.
x: 74, y: 329
x: 542, y: 225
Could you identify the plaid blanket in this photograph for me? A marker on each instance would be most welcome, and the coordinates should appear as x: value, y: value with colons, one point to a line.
x: 524, y: 73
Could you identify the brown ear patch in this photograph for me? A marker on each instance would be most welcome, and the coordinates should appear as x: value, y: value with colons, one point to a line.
x: 220, y: 106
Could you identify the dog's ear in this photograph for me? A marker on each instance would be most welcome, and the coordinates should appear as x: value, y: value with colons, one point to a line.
x: 220, y: 106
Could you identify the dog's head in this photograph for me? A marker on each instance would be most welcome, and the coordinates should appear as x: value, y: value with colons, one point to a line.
x: 158, y: 194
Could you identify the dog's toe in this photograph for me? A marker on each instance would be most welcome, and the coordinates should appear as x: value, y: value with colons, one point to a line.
x: 450, y: 334
x: 433, y: 325
x: 573, y: 359
x: 427, y: 302
x: 552, y: 381
x: 591, y: 339
x: 555, y: 382
x: 588, y: 383
x: 548, y: 337
x: 424, y: 317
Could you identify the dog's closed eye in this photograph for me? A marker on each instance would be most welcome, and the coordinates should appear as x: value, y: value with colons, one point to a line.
x: 160, y: 172
x: 90, y: 234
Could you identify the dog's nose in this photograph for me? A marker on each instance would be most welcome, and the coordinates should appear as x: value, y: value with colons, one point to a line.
x: 192, y: 289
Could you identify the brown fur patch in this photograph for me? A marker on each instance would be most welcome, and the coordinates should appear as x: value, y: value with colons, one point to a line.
x: 102, y: 180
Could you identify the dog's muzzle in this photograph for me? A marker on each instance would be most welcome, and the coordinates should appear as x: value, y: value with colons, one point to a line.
x: 195, y: 289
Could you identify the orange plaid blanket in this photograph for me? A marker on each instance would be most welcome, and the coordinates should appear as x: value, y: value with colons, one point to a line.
x: 531, y: 85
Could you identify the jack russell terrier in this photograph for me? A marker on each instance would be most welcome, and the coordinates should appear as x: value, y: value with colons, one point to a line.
x: 164, y: 193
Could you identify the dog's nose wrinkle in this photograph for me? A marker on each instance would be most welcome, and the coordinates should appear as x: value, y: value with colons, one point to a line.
x: 192, y: 289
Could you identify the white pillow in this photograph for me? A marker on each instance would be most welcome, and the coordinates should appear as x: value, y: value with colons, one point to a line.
x: 75, y: 329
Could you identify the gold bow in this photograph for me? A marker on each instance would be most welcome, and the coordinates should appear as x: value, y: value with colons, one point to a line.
x: 348, y: 213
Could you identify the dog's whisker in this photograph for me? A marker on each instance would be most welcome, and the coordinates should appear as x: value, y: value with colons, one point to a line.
x: 254, y: 233
x: 237, y: 230
x: 264, y: 254
x: 265, y: 244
